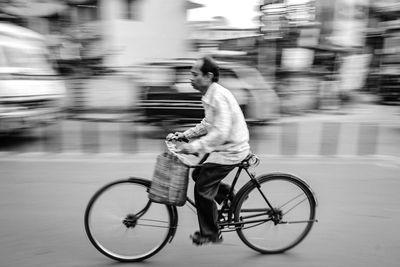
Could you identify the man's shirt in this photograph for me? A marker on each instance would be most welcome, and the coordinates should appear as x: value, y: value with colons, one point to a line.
x: 223, y: 130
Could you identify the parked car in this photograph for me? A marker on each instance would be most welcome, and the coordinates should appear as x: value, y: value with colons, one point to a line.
x: 167, y: 97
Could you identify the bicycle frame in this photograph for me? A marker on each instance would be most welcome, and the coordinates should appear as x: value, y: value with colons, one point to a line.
x: 273, y: 215
x: 230, y: 209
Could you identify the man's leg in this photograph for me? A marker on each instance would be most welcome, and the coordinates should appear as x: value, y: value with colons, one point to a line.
x: 223, y: 189
x: 205, y: 190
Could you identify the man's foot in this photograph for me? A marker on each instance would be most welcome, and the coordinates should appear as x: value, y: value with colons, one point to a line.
x: 199, y: 240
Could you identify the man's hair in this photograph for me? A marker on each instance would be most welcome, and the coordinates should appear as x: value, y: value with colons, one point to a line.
x: 209, y: 65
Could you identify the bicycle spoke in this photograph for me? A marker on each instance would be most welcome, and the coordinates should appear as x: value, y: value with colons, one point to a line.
x: 152, y: 225
x: 110, y: 215
x: 305, y: 199
x: 299, y: 195
x: 166, y: 223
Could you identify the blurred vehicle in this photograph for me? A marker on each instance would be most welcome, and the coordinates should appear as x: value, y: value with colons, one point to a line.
x: 167, y: 97
x: 31, y: 92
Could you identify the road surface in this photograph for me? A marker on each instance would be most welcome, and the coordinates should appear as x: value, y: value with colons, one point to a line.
x: 42, y: 202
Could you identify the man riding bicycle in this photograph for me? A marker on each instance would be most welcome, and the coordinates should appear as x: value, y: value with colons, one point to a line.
x: 222, y: 131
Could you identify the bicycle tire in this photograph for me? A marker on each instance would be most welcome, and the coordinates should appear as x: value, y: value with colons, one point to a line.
x: 138, y: 231
x: 288, y: 208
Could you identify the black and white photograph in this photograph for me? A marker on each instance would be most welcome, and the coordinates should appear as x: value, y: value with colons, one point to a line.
x: 199, y: 133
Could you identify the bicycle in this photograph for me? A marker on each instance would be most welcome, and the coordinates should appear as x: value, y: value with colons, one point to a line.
x: 262, y: 212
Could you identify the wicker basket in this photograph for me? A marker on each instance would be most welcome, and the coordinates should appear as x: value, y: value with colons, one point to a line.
x: 170, y: 180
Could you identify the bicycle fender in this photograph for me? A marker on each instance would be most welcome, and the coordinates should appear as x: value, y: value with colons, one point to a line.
x: 300, y: 180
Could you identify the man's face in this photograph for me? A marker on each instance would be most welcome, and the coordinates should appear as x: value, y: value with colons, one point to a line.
x: 199, y: 81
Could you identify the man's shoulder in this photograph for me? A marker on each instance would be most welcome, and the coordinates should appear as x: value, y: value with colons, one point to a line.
x: 218, y: 86
x: 221, y: 90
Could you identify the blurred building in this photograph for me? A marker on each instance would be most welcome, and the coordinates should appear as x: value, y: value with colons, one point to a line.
x: 138, y: 30
x: 321, y: 49
x: 118, y: 32
x: 133, y: 31
x: 224, y: 42
x: 318, y: 39
x: 383, y: 41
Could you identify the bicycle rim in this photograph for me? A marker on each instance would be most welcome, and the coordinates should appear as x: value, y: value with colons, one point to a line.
x: 124, y: 225
x: 294, y: 213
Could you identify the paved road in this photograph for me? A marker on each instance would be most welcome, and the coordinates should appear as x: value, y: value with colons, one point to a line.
x: 42, y: 200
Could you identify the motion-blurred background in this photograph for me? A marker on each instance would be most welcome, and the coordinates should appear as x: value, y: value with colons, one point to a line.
x: 90, y: 88
x: 127, y: 63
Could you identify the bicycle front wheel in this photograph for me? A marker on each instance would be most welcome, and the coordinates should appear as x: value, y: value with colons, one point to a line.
x: 277, y: 229
x: 123, y: 224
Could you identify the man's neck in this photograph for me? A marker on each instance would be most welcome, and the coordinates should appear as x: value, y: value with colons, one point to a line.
x: 204, y: 91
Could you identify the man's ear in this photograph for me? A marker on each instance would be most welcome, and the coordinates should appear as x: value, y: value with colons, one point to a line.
x: 210, y: 75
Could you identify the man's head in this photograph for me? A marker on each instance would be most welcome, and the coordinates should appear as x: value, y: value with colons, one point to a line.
x: 204, y: 72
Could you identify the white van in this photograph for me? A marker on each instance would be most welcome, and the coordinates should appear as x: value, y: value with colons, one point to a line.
x: 31, y: 92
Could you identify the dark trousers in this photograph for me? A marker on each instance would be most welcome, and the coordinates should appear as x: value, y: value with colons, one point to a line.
x: 207, y: 189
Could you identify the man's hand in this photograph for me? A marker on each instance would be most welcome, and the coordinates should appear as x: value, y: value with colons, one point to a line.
x: 176, y: 136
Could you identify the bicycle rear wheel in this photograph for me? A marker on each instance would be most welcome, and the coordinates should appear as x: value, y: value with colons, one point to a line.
x: 123, y: 224
x: 274, y: 230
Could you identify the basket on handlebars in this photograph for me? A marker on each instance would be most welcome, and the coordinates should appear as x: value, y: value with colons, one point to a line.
x: 170, y: 180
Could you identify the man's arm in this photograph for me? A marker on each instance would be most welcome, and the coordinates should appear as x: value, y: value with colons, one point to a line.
x: 219, y: 131
x: 199, y: 130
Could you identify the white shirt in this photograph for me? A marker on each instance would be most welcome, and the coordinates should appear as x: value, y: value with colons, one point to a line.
x: 223, y: 129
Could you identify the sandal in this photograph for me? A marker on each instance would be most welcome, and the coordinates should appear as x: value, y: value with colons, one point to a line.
x: 199, y: 240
